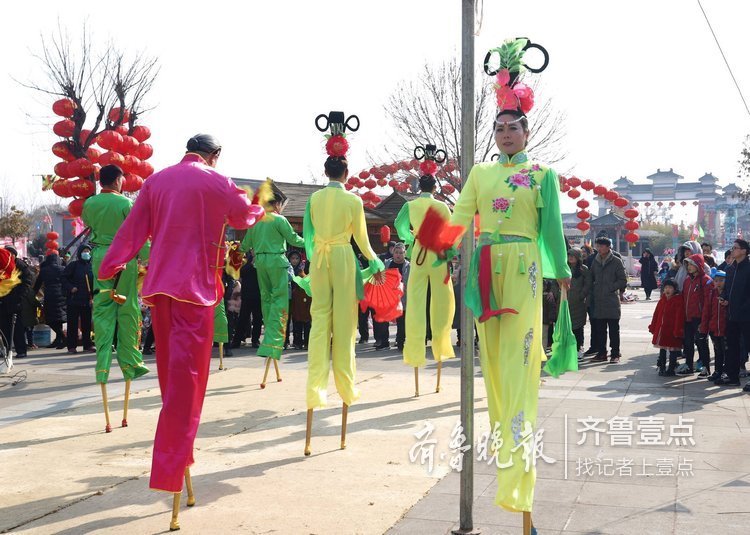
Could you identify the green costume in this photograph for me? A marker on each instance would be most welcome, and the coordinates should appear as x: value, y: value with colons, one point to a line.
x: 105, y: 213
x: 221, y: 325
x: 268, y: 239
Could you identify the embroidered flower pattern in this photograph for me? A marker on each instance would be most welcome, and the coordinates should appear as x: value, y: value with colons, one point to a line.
x: 524, y: 178
x: 527, y: 346
x: 516, y: 427
x: 532, y: 278
x: 501, y: 204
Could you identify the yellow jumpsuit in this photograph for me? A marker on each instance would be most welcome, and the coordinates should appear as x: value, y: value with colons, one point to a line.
x: 423, y: 272
x: 521, y: 241
x: 333, y: 216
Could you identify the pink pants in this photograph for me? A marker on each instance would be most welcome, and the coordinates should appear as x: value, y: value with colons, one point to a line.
x: 183, y: 334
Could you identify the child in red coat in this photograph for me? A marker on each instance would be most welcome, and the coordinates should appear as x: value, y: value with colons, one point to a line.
x: 667, y: 326
x: 714, y: 322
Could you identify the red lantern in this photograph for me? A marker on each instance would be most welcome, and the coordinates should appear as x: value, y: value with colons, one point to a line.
x: 81, y: 167
x: 109, y: 140
x: 647, y: 204
x: 635, y: 204
x: 660, y: 204
x: 450, y: 167
x: 348, y: 186
x: 385, y: 234
x: 631, y: 213
x: 132, y: 182
x: 131, y: 164
x: 84, y: 136
x: 448, y: 189
x: 611, y: 196
x: 621, y: 202
x: 574, y: 181
x: 564, y: 187
x: 600, y: 190
x: 129, y: 145
x: 112, y: 158
x: 93, y: 154
x: 631, y: 225
x: 64, y: 107
x: 574, y: 194
x: 695, y: 203
x: 62, y: 149
x: 141, y: 133
x: 52, y: 244
x: 62, y: 170
x: 76, y: 207
x: 64, y: 128
x: 588, y: 185
x: 364, y: 175
x: 52, y: 235
x: 583, y: 203
x: 144, y: 151
x: 82, y: 188
x: 583, y: 226
x: 583, y: 214
x: 393, y: 183
x: 671, y: 204
x: 114, y: 115
x: 683, y: 203
x: 146, y: 170
x: 631, y: 237
x: 382, y: 182
x: 370, y: 183
x: 61, y: 188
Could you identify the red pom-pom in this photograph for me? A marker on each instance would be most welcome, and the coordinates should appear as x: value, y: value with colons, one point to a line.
x: 428, y: 167
x: 337, y: 146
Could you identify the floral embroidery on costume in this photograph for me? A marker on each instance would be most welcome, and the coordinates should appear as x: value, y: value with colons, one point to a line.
x: 532, y: 278
x: 503, y: 205
x: 527, y: 346
x: 524, y: 178
x: 516, y: 427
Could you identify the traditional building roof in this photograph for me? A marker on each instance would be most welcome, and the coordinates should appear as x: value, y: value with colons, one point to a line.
x: 665, y: 176
x: 609, y: 220
x: 389, y: 207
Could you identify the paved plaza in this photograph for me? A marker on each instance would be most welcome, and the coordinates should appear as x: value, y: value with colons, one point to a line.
x: 60, y: 473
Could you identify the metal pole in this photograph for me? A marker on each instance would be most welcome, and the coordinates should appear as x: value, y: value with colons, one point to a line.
x: 466, y: 522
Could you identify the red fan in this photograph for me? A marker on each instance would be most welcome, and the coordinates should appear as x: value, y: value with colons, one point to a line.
x: 385, y: 298
x: 437, y: 234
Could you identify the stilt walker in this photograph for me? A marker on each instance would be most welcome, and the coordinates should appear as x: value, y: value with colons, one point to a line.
x: 115, y: 302
x: 426, y: 269
x: 268, y: 239
x: 520, y: 242
x: 183, y: 286
x: 332, y: 217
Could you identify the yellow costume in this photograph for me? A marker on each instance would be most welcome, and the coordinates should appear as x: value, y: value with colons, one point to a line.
x: 333, y: 216
x: 521, y: 241
x: 425, y: 269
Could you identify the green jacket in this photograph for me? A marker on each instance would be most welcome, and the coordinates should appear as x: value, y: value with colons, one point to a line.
x: 268, y: 239
x: 105, y: 213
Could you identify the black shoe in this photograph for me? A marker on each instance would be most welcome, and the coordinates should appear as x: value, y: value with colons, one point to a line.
x: 713, y: 376
x: 382, y: 346
x: 23, y: 356
x: 590, y: 351
x: 745, y: 389
x: 669, y: 373
x: 661, y: 372
x: 52, y: 345
x: 73, y: 351
x: 234, y: 345
x: 228, y: 352
x: 727, y: 381
x: 256, y: 345
x: 147, y: 351
x: 363, y: 341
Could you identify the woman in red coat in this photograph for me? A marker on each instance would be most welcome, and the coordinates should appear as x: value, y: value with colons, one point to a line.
x: 667, y: 326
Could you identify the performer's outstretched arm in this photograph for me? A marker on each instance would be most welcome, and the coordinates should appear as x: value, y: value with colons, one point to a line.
x: 291, y: 237
x: 551, y: 237
x: 359, y: 232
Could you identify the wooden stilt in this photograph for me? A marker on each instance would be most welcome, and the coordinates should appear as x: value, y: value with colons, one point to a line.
x: 528, y: 525
x: 440, y: 368
x: 344, y: 414
x: 416, y: 382
x: 276, y: 367
x: 189, y: 486
x: 265, y: 375
x: 125, y: 408
x: 221, y: 356
x: 309, y: 432
x: 174, y: 525
x: 108, y: 427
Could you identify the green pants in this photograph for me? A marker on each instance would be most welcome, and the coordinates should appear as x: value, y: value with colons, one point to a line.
x: 221, y: 326
x: 274, y: 301
x: 126, y: 318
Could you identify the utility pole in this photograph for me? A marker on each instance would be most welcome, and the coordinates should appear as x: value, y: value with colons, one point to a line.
x: 466, y: 503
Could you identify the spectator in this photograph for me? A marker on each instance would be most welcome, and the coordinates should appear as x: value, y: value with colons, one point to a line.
x: 707, y: 249
x: 147, y: 332
x: 685, y: 250
x: 363, y: 323
x: 696, y: 291
x: 578, y: 294
x: 77, y: 283
x: 251, y: 316
x: 714, y: 323
x: 727, y: 260
x: 399, y: 262
x: 648, y: 272
x: 300, y: 308
x: 55, y: 314
x: 608, y: 279
x: 709, y: 261
x: 667, y: 326
x: 550, y: 305
x: 11, y: 323
x: 736, y: 297
x: 663, y: 271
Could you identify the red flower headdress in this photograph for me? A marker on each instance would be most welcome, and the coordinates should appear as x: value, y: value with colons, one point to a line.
x: 337, y: 145
x: 511, y: 93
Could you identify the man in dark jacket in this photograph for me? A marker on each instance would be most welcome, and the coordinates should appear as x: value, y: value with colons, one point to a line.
x: 736, y: 296
x: 609, y: 279
x: 251, y: 315
x: 77, y: 282
x: 10, y: 307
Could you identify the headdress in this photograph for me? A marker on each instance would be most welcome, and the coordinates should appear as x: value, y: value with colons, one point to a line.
x: 203, y: 143
x: 9, y: 275
x: 337, y: 145
x: 512, y: 94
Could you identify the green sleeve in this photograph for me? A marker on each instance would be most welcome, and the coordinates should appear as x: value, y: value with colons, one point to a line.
x: 308, y: 233
x: 286, y: 230
x: 403, y: 226
x: 247, y: 241
x: 551, y: 238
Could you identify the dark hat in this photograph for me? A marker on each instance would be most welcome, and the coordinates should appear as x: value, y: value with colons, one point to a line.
x: 203, y: 143
x: 12, y: 250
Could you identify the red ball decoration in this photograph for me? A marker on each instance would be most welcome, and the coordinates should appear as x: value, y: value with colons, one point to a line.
x: 574, y: 194
x: 683, y: 203
x: 621, y: 202
x: 660, y: 204
x: 428, y: 167
x: 600, y: 190
x: 61, y: 188
x: 131, y: 164
x: 52, y: 244
x: 64, y: 128
x: 671, y: 204
x: 84, y: 136
x: 370, y: 183
x: 564, y: 187
x: 611, y: 196
x: 348, y: 186
x: 132, y: 182
x: 695, y: 203
x: 393, y: 183
x: 81, y: 167
x: 109, y: 140
x: 583, y: 203
x: 631, y: 237
x: 588, y: 185
x: 64, y: 107
x: 62, y: 169
x: 76, y: 207
x: 93, y: 154
x: 122, y: 130
x: 583, y: 226
x: 62, y: 149
x: 129, y: 145
x: 146, y: 170
x: 632, y: 225
x: 364, y: 175
x: 583, y: 214
x: 382, y: 182
x: 631, y: 213
x: 379, y: 174
x: 574, y: 181
x: 337, y: 146
x: 647, y: 204
x: 112, y: 158
x: 385, y: 234
x: 448, y: 189
x: 450, y: 167
x: 52, y: 235
x: 82, y: 188
x: 144, y: 151
x: 114, y: 115
x: 141, y: 133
